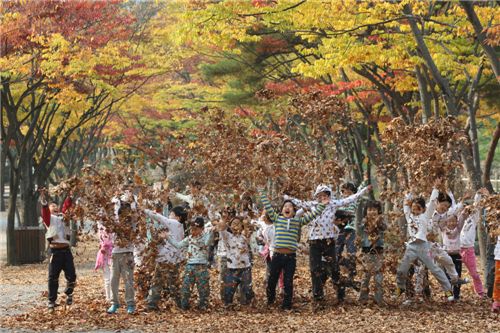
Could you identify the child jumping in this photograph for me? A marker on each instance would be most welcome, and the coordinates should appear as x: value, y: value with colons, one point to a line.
x: 418, y: 218
x: 287, y: 229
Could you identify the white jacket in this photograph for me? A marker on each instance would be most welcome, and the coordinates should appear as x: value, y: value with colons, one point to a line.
x: 468, y: 233
x: 418, y: 226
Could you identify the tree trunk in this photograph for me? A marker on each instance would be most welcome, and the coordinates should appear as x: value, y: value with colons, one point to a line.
x: 11, y: 219
x: 481, y: 36
x: 489, y: 159
x: 3, y: 164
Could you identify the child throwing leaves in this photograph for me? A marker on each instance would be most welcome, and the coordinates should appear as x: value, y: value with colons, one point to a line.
x: 287, y: 229
x: 196, y: 270
x: 470, y: 217
x: 166, y: 274
x: 238, y: 271
x: 103, y: 260
x: 495, y: 307
x: 372, y: 242
x: 61, y: 258
x: 122, y: 258
x: 418, y: 218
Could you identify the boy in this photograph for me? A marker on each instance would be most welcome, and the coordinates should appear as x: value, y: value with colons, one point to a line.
x: 323, y: 235
x: 61, y: 258
x: 287, y: 229
x: 372, y: 241
x: 166, y: 275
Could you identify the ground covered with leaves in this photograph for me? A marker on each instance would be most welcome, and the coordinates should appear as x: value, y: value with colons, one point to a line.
x: 24, y: 300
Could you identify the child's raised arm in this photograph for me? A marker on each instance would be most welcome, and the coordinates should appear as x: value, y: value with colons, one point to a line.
x: 180, y: 245
x: 352, y: 198
x: 309, y: 216
x: 267, y: 206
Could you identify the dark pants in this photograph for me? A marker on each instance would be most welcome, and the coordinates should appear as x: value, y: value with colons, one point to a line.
x: 320, y: 271
x: 490, y: 268
x: 61, y: 260
x: 347, y: 240
x: 457, y: 260
x: 286, y: 263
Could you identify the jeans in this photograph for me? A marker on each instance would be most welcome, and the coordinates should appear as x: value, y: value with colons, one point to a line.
x: 166, y: 277
x: 490, y: 268
x: 286, y: 263
x: 195, y: 274
x: 122, y: 266
x: 420, y: 250
x: 322, y: 248
x: 241, y: 277
x: 61, y: 260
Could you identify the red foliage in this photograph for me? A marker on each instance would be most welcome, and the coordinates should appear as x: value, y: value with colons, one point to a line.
x: 91, y: 23
x: 269, y: 44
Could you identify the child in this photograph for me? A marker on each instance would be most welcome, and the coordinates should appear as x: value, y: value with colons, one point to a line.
x: 418, y: 219
x: 287, y: 229
x: 469, y: 217
x: 103, y: 260
x: 238, y: 261
x: 323, y: 235
x: 495, y: 307
x: 196, y: 270
x: 372, y: 241
x: 122, y: 259
x: 166, y: 275
x: 445, y: 208
x: 61, y: 258
x: 450, y: 234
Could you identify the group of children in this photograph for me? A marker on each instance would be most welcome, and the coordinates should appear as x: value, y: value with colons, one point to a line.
x: 334, y: 238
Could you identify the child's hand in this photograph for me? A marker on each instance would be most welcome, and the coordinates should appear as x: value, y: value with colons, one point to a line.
x: 370, y: 187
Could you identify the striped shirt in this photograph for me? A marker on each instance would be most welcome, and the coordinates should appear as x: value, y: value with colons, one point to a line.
x: 287, y: 230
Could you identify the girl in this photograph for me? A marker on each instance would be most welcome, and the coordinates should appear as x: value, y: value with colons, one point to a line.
x: 196, y: 271
x: 103, y: 260
x: 418, y: 218
x: 469, y: 217
x: 122, y: 260
x: 287, y: 229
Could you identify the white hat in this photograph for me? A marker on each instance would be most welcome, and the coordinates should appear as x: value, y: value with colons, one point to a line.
x: 322, y: 188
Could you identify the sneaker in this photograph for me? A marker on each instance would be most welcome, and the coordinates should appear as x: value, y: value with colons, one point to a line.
x: 152, y: 307
x: 399, y: 291
x: 449, y: 295
x: 51, y: 306
x: 69, y: 299
x: 495, y: 307
x: 130, y: 309
x: 113, y: 308
x: 459, y: 281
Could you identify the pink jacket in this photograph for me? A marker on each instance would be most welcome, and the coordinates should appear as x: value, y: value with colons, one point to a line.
x: 105, y: 248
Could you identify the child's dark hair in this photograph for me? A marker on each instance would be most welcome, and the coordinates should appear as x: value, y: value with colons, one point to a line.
x: 181, y: 213
x: 198, y: 222
x: 419, y: 201
x: 349, y: 186
x: 289, y: 201
x: 444, y: 197
x: 373, y: 204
